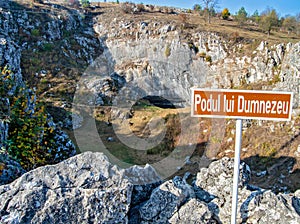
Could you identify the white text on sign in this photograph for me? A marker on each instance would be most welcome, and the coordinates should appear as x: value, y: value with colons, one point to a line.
x: 247, y: 104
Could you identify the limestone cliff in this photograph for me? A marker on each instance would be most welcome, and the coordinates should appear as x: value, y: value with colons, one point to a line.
x: 120, y: 58
x: 203, y: 59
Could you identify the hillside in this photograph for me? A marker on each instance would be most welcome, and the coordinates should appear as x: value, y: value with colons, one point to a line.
x: 116, y: 78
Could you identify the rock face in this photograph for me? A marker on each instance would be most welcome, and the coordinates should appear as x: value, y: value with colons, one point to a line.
x: 9, y: 169
x: 194, y: 211
x: 290, y: 72
x: 88, y: 189
x: 255, y: 205
x: 142, y: 59
x: 165, y: 201
x: 83, y: 189
x: 15, y: 25
x: 158, y: 60
x: 145, y: 72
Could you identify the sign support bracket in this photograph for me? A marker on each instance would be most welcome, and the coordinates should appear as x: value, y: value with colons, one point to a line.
x: 238, y: 141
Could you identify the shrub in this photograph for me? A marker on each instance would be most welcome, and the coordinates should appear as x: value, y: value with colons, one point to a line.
x: 290, y: 24
x: 35, y: 32
x: 202, y: 54
x: 30, y: 138
x: 269, y: 20
x: 225, y: 13
x: 197, y: 7
x: 168, y: 50
x: 255, y: 17
x: 140, y: 7
x: 85, y: 3
x: 127, y: 7
x: 208, y: 58
x: 47, y: 47
x: 241, y: 16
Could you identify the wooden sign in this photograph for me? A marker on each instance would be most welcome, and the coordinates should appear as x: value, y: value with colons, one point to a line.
x: 242, y: 104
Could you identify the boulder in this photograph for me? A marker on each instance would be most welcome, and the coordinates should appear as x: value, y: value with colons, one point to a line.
x: 165, y: 201
x: 87, y: 188
x: 194, y: 211
x: 83, y: 189
x: 255, y: 205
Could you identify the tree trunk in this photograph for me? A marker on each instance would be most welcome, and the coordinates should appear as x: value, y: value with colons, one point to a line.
x: 207, y: 11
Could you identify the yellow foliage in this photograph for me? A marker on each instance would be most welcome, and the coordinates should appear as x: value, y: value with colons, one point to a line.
x: 225, y: 13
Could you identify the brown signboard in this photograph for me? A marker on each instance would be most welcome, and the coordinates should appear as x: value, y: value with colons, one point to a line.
x: 242, y: 104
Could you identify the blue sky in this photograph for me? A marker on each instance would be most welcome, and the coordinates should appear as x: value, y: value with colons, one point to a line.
x: 284, y: 7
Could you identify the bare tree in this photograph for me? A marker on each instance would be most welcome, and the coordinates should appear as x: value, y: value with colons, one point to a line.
x: 209, y: 6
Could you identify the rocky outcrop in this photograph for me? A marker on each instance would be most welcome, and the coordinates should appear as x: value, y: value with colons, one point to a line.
x: 194, y: 211
x: 255, y: 205
x: 83, y: 189
x: 9, y: 169
x: 165, y: 200
x: 290, y: 72
x: 146, y: 71
x: 137, y: 60
x: 14, y: 26
x: 149, y: 51
x: 88, y: 189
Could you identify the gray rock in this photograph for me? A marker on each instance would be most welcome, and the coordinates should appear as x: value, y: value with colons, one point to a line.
x: 165, y: 201
x: 217, y: 179
x: 53, y: 31
x: 290, y: 73
x: 150, y: 72
x: 88, y: 189
x: 142, y: 175
x: 195, y: 212
x: 9, y: 169
x: 267, y: 207
x: 165, y: 29
x: 83, y: 189
x: 255, y: 205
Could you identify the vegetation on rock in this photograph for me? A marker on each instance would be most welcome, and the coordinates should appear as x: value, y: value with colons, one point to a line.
x: 30, y: 137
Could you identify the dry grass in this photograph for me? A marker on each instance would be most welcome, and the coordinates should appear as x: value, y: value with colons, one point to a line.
x: 195, y: 23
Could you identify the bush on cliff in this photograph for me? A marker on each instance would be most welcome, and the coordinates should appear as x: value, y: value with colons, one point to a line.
x: 30, y: 137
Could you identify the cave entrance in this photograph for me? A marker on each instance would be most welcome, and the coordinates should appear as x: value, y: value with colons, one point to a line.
x: 156, y: 101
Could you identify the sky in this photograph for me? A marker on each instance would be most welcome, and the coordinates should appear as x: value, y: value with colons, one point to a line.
x: 283, y: 7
